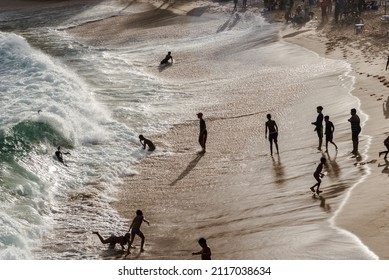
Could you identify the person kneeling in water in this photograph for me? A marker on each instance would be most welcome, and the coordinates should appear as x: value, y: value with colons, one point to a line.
x: 147, y: 142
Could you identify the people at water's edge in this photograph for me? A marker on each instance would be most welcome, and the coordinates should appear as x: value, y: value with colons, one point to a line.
x: 203, y: 132
x: 113, y: 240
x: 59, y: 155
x: 272, y: 127
x: 205, y: 251
x: 386, y: 143
x: 167, y: 58
x: 146, y: 142
x: 319, y: 125
x: 318, y: 174
x: 355, y: 129
x: 135, y: 230
x: 329, y: 131
x: 235, y: 3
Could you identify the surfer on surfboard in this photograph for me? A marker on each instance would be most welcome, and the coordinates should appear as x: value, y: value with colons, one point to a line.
x: 167, y: 58
x: 59, y: 155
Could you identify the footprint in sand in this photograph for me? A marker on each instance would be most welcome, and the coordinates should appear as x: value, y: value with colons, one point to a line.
x: 379, y: 99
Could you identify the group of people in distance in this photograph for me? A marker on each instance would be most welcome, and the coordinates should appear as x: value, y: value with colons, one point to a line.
x: 272, y: 128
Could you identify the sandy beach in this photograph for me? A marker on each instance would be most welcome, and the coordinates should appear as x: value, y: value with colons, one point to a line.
x: 366, y: 210
x: 231, y: 156
x: 365, y: 213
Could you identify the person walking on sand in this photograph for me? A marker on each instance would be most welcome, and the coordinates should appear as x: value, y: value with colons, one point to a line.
x: 113, y: 239
x: 355, y: 130
x: 319, y: 125
x: 205, y: 251
x: 329, y: 131
x: 386, y: 143
x: 203, y: 132
x: 135, y: 229
x: 147, y: 142
x: 318, y: 174
x: 273, y: 133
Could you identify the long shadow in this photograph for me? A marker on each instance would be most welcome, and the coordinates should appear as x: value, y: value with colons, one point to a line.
x: 190, y: 166
x: 231, y: 22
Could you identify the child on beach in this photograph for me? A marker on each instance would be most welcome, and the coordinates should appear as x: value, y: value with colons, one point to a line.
x: 318, y: 174
x: 135, y: 229
x: 147, y: 142
x: 329, y: 131
x: 386, y: 143
x: 319, y: 125
x: 273, y: 133
x: 113, y: 240
x: 205, y: 251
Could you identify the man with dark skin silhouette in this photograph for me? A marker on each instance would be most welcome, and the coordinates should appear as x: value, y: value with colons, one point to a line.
x: 273, y: 133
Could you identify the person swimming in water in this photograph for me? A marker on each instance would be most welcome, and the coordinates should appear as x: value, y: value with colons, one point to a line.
x: 59, y: 155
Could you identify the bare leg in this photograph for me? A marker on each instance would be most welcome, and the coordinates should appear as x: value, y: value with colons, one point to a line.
x: 320, y: 142
x: 104, y: 241
x: 129, y: 244
x: 142, y: 242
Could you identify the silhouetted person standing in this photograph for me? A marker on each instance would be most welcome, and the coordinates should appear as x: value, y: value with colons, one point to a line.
x: 273, y: 133
x: 355, y: 129
x: 319, y: 125
x: 203, y: 132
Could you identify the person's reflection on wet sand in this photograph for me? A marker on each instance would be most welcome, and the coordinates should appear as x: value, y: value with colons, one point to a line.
x: 279, y: 171
x: 385, y: 108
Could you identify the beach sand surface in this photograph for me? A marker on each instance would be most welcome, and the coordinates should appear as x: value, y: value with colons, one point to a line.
x: 230, y: 156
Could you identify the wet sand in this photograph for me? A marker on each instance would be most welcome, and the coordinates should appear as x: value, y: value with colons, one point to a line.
x: 364, y: 213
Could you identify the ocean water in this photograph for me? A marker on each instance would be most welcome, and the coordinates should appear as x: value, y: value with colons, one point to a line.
x: 94, y: 101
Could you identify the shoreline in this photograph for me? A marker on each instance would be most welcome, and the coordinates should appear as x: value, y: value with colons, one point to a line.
x: 351, y: 216
x: 366, y: 210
